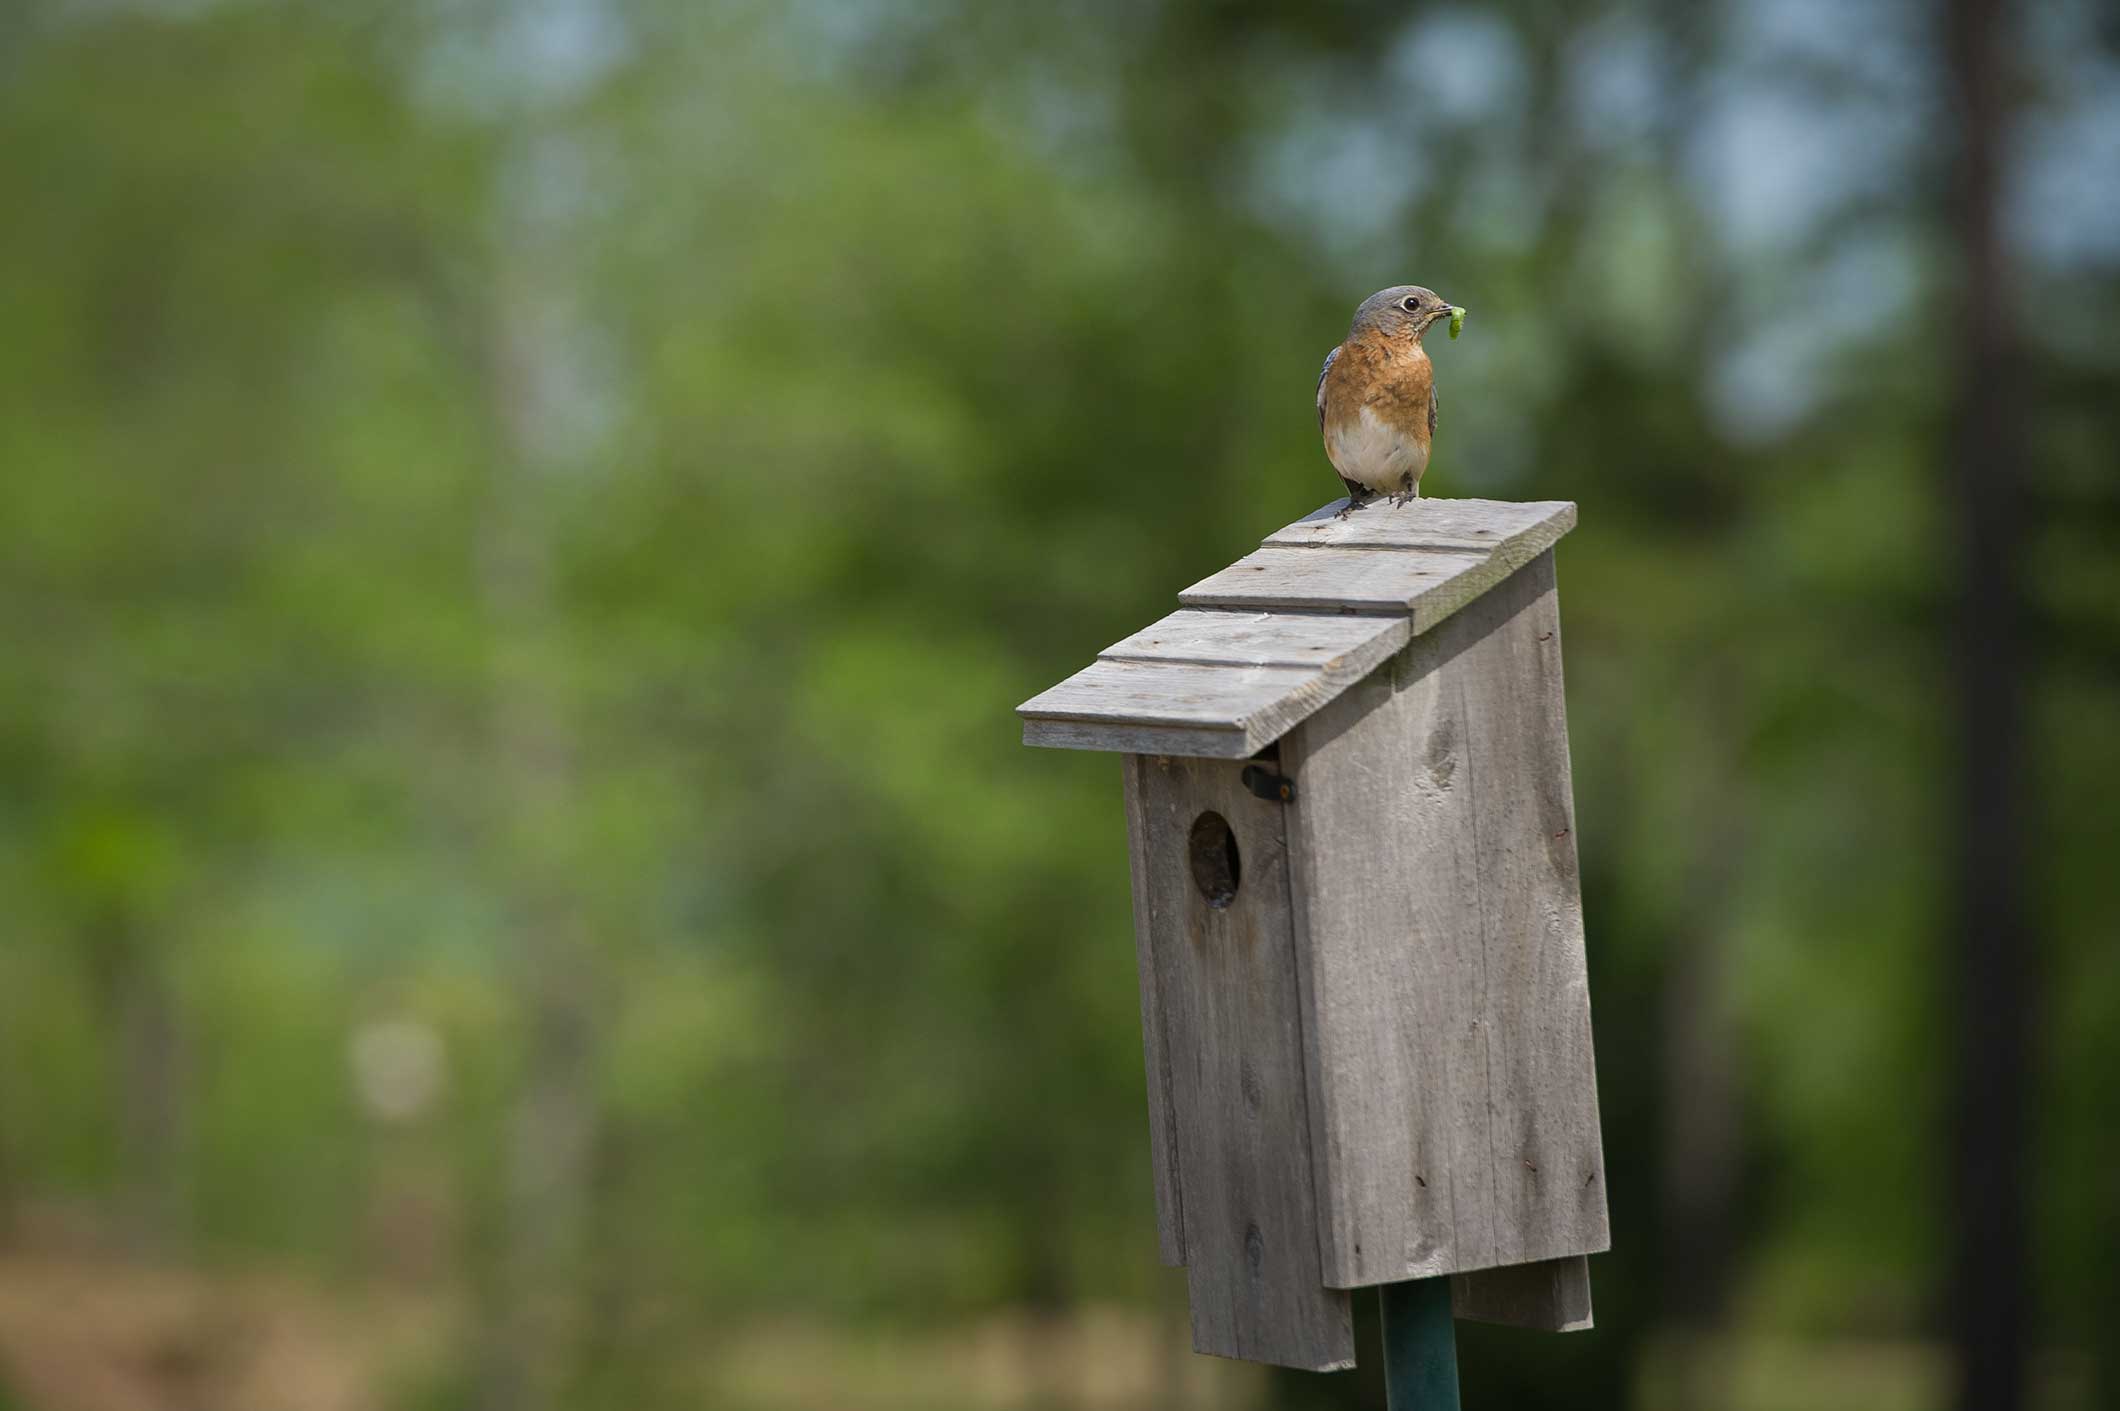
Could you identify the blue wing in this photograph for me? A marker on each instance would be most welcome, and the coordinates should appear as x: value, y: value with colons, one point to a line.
x: 1321, y: 386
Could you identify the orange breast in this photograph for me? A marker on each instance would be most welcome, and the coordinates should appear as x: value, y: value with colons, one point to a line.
x: 1391, y: 377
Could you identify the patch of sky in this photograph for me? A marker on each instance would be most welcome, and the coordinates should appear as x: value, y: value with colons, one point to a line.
x: 1778, y: 370
x: 540, y: 53
x: 1459, y: 66
x: 2063, y: 197
x: 1770, y: 165
x: 1344, y: 169
x: 1810, y: 105
x: 1341, y: 180
x: 1765, y: 384
x: 1882, y: 46
x: 1619, y: 85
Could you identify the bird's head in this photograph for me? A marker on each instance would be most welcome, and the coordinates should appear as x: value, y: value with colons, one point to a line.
x: 1402, y: 311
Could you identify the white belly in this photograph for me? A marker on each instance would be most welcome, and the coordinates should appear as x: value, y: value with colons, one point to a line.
x: 1371, y: 454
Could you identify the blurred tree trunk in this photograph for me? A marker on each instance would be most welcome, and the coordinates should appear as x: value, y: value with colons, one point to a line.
x: 139, y: 1012
x: 151, y: 1101
x: 1703, y: 1122
x: 536, y: 1309
x: 1702, y: 1130
x: 1995, y: 950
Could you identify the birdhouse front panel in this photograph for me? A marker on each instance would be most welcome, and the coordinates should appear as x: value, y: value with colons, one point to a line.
x: 1223, y: 1015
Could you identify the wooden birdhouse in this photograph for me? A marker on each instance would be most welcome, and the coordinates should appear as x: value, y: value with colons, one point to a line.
x: 1359, y: 925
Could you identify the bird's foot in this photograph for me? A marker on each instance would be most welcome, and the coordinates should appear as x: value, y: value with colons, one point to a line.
x: 1354, y: 502
x: 1407, y: 492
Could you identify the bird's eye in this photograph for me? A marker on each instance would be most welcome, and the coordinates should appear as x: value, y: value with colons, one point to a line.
x: 1410, y: 304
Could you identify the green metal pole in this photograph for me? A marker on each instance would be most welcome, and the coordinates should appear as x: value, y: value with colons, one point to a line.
x: 1420, y: 1346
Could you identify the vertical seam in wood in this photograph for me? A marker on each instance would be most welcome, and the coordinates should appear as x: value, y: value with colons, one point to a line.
x: 1472, y: 780
x: 1168, y: 1119
x: 1155, y: 1046
x: 1299, y: 884
x: 1320, y: 1141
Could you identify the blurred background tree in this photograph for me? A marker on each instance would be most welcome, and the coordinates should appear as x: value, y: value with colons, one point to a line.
x: 522, y: 523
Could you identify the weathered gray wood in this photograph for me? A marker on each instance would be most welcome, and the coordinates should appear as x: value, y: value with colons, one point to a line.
x: 1122, y: 738
x: 1552, y: 1295
x: 1422, y: 584
x: 1265, y: 643
x: 1547, y: 1145
x: 1384, y: 870
x: 1425, y: 559
x: 1232, y: 1034
x: 1178, y: 693
x: 1440, y: 946
x: 1244, y: 707
x: 1162, y: 1116
x: 1522, y: 528
x: 1348, y: 648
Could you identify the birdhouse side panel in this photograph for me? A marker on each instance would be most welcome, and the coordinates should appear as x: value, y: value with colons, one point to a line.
x: 1215, y: 876
x: 1440, y: 944
x: 1547, y: 1145
x: 1385, y: 875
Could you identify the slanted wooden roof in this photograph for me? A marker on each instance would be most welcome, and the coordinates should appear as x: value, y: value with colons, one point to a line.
x: 1261, y: 646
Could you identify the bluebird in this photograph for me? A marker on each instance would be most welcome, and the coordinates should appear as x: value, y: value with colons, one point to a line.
x: 1376, y: 395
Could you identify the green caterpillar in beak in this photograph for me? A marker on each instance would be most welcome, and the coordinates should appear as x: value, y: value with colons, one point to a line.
x: 1457, y: 320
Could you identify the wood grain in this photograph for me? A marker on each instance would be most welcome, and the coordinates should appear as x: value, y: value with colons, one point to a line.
x: 1426, y: 558
x: 1267, y: 642
x: 1354, y: 646
x: 1180, y: 693
x: 1409, y: 582
x: 1232, y: 1035
x: 1119, y: 737
x: 1228, y: 710
x: 1552, y: 1295
x: 1162, y: 1114
x: 1521, y: 527
x: 1440, y: 948
x: 1547, y: 1149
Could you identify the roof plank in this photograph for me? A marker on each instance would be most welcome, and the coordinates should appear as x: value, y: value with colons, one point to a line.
x: 1402, y: 582
x: 1246, y: 707
x: 1119, y: 736
x: 1220, y: 638
x: 1472, y: 526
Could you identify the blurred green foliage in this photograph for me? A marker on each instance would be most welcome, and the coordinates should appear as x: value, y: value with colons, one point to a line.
x: 527, y: 522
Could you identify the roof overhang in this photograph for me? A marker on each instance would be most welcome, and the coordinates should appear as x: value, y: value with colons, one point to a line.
x: 1262, y: 645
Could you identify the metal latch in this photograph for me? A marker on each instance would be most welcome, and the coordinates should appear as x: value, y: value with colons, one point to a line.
x: 1268, y: 785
